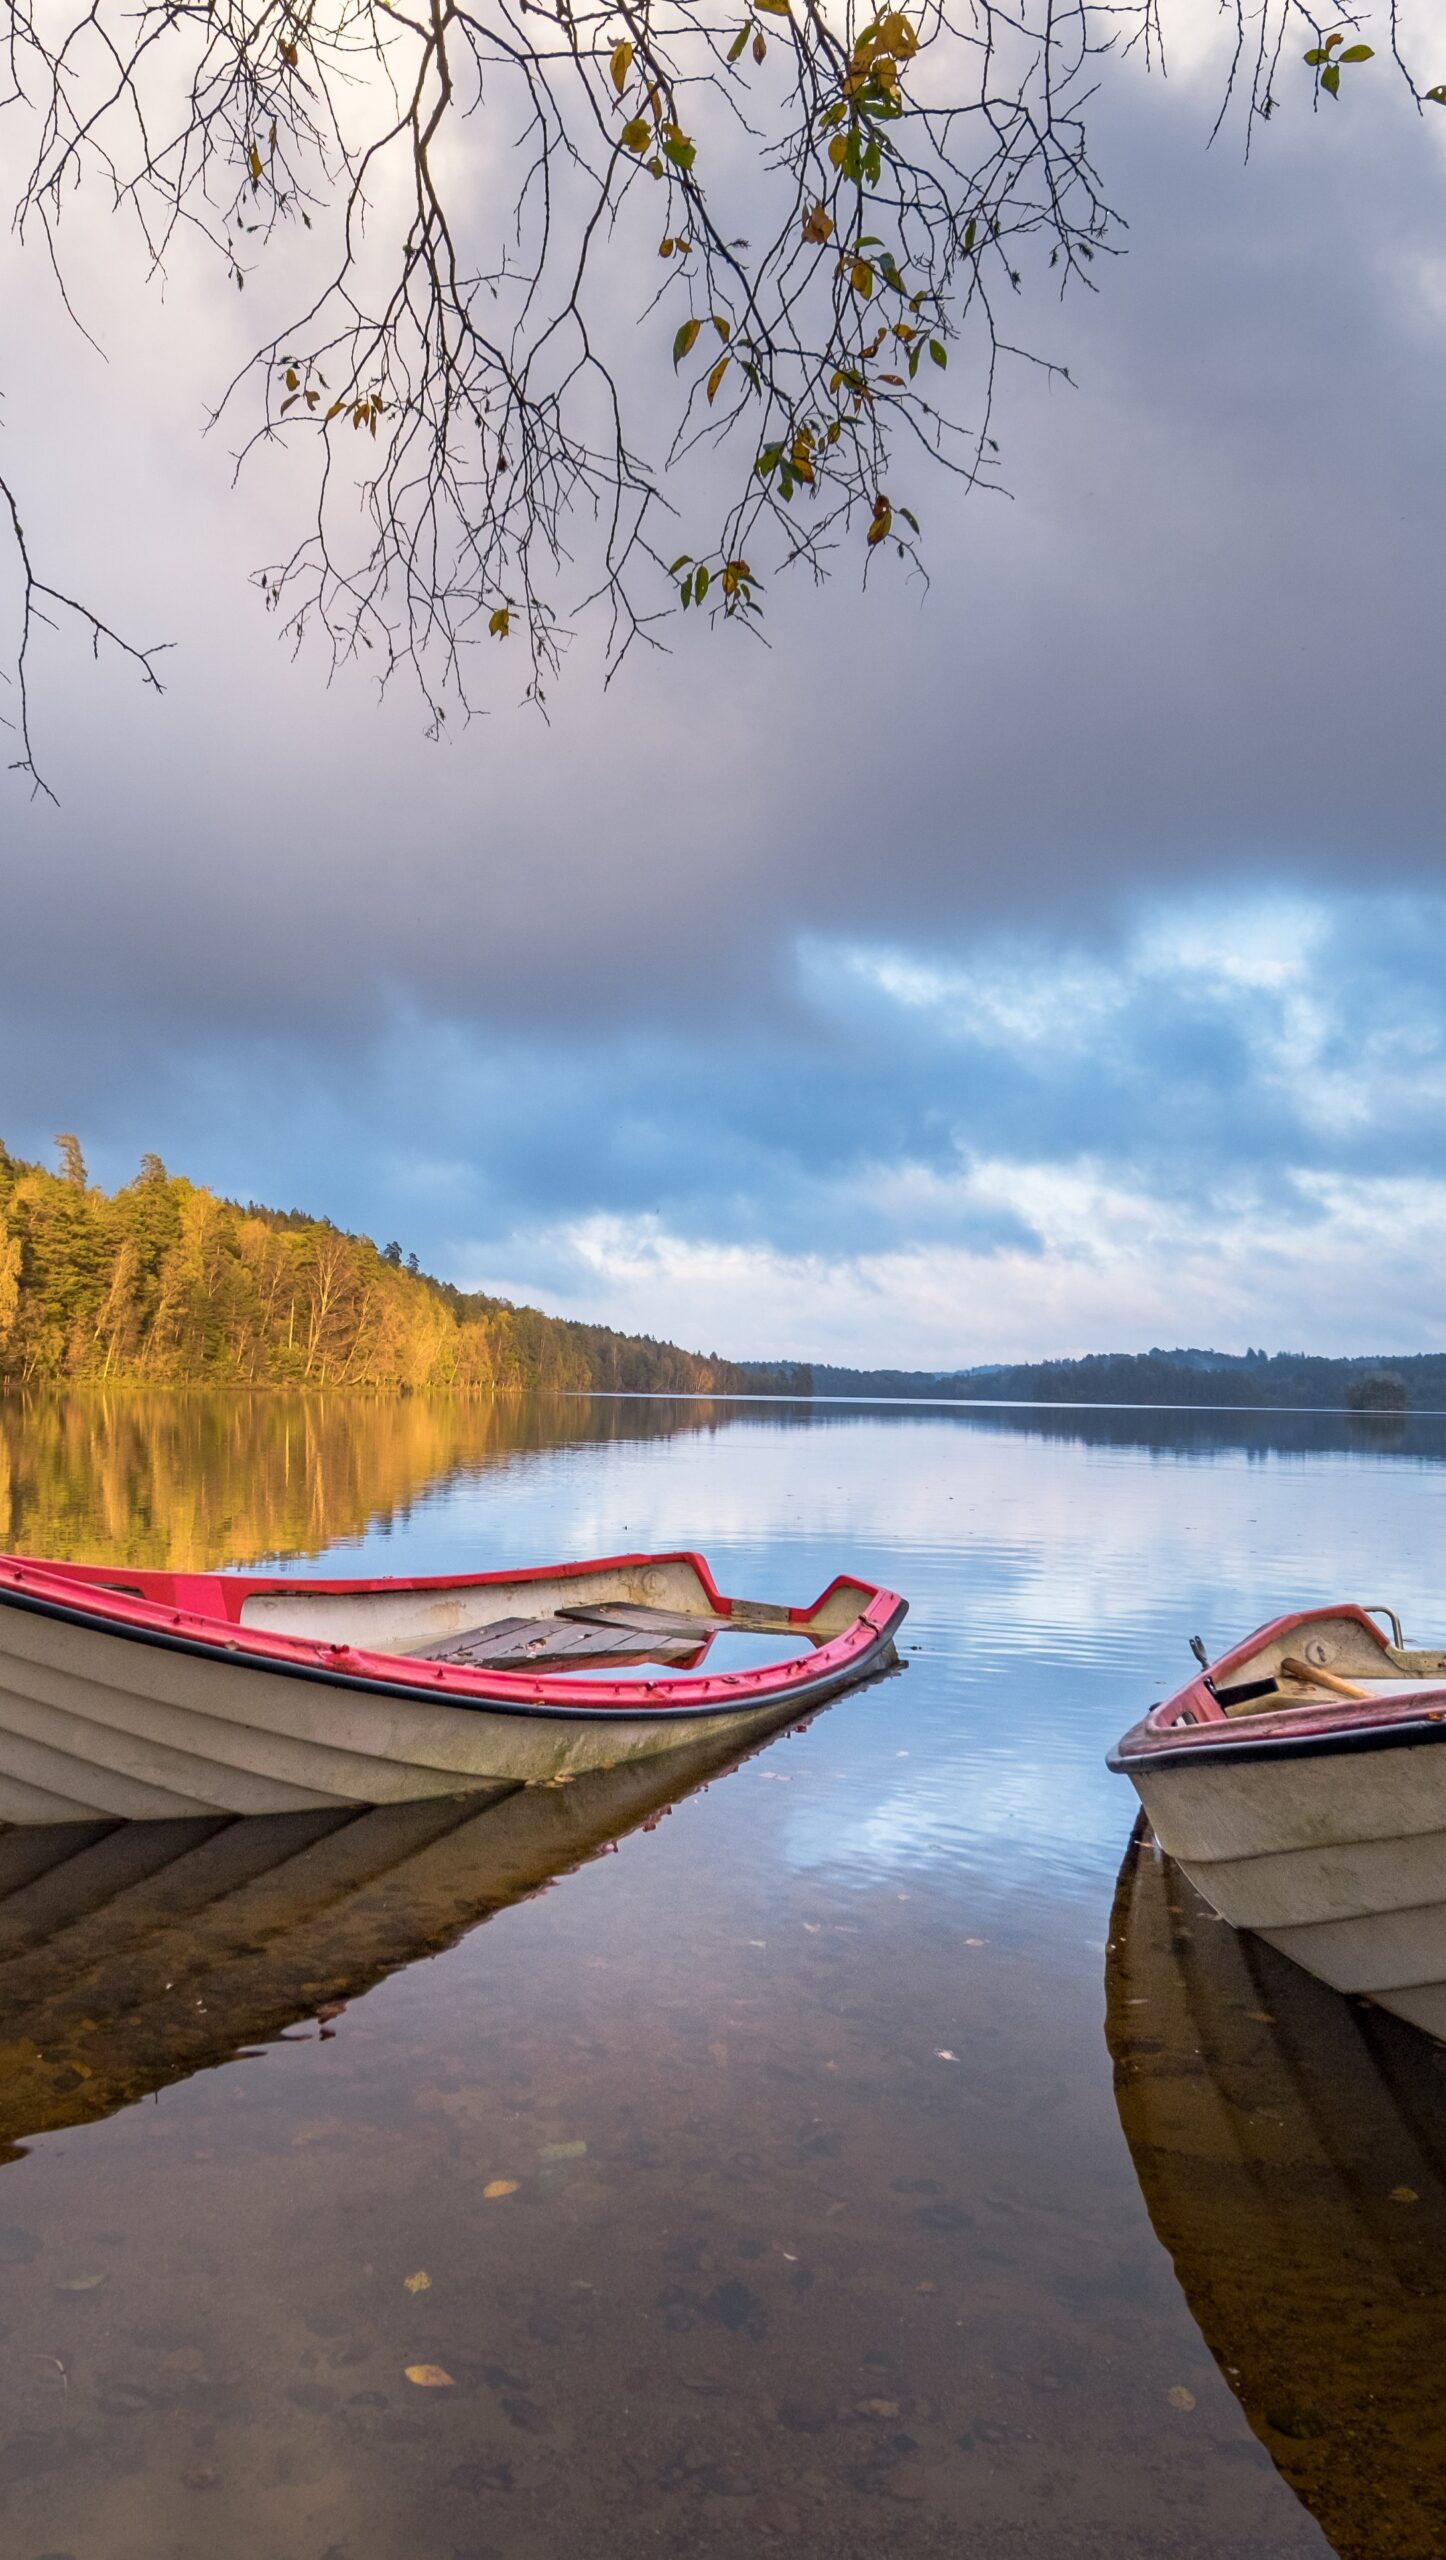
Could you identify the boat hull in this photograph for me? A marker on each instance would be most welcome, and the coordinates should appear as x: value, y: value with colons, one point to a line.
x: 1337, y: 1861
x: 129, y: 1721
x: 1300, y: 1782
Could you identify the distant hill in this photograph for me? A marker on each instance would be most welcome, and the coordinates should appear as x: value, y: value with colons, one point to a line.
x: 164, y: 1283
x: 1371, y: 1383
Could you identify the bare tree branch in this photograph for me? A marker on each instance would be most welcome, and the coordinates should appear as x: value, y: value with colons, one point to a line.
x: 501, y: 218
x: 40, y: 603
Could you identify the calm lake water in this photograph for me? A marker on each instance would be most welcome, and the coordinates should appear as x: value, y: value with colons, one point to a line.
x: 763, y: 2185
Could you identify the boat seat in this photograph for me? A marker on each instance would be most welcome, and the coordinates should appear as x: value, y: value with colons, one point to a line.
x: 555, y: 1643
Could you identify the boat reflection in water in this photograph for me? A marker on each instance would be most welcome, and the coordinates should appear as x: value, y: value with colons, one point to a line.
x: 1291, y: 2145
x: 134, y: 1954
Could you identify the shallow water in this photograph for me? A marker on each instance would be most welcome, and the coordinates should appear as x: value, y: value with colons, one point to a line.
x: 812, y: 2222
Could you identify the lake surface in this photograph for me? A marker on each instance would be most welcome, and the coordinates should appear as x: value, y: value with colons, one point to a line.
x: 762, y: 2185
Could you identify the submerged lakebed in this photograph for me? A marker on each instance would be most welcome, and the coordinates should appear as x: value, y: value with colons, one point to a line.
x: 445, y: 2183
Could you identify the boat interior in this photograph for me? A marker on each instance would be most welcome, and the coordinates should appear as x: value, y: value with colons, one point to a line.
x: 653, y: 1614
x: 1334, y: 1660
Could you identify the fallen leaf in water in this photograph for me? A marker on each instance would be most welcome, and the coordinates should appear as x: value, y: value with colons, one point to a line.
x: 1404, y: 2195
x: 429, y: 2377
x: 1179, y: 2397
x: 942, y: 2054
x: 330, y: 2009
x: 976, y: 1942
x: 419, y: 2283
x: 562, y: 2151
x: 877, y: 2408
x: 1262, y: 2017
x: 500, y: 2187
x: 79, y: 2284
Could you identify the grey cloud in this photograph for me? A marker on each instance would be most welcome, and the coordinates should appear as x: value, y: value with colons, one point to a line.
x: 543, y: 970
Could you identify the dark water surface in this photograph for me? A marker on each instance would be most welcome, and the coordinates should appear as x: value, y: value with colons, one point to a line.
x: 761, y: 2185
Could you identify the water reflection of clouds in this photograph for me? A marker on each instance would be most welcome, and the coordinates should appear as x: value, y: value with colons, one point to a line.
x: 1052, y: 1581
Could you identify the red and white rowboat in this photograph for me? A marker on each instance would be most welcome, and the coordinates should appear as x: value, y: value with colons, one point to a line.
x: 1300, y: 1781
x: 140, y: 1695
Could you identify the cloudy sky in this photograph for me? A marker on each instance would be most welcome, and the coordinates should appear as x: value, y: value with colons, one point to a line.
x: 1051, y: 963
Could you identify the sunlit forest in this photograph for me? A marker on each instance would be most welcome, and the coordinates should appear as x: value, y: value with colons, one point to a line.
x: 162, y: 1283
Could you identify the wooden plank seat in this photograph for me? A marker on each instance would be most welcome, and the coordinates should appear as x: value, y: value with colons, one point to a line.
x: 558, y: 1643
x: 652, y: 1622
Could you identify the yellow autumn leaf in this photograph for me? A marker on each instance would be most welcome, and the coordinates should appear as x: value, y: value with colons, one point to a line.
x: 861, y: 277
x: 637, y: 135
x: 819, y: 226
x: 1179, y: 2397
x: 716, y: 376
x: 254, y: 162
x: 897, y: 36
x: 500, y: 623
x: 429, y: 2377
x: 621, y: 65
x: 500, y: 2187
x: 419, y: 2283
x: 1404, y: 2195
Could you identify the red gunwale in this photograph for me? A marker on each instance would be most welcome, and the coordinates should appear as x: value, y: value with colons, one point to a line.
x: 203, y: 1610
x: 1193, y: 1721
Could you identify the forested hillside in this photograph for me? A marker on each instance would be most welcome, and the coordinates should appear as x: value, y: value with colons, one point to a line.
x: 1371, y: 1382
x: 163, y: 1283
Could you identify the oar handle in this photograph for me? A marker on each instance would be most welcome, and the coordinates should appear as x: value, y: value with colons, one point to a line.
x: 1295, y: 1669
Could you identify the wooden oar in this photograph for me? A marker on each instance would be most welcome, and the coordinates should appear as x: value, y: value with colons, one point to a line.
x: 1295, y: 1669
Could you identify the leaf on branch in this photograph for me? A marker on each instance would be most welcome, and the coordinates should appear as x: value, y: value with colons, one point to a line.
x: 701, y: 583
x: 254, y: 164
x: 680, y: 151
x: 883, y: 518
x: 939, y: 352
x: 1330, y: 79
x: 716, y: 376
x: 723, y: 327
x: 1437, y: 96
x: 289, y: 55
x: 680, y: 563
x: 637, y: 134
x: 739, y: 41
x: 760, y: 46
x: 685, y: 341
x: 818, y: 226
x: 774, y: 8
x: 621, y: 65
x: 1359, y: 53
x: 500, y: 623
x: 861, y: 277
